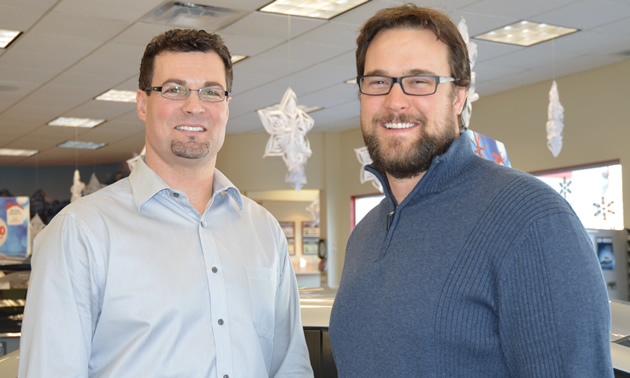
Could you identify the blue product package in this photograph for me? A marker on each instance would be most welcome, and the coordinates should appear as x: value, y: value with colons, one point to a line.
x: 14, y: 227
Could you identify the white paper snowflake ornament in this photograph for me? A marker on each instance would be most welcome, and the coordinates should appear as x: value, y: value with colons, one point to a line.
x: 364, y: 158
x: 287, y: 127
x: 555, y: 123
x: 77, y: 186
x: 472, y: 56
x: 93, y: 185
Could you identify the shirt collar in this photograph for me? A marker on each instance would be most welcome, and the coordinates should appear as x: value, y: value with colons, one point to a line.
x: 145, y: 184
x: 222, y: 184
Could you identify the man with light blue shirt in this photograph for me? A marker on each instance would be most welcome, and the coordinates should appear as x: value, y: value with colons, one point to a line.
x: 169, y: 272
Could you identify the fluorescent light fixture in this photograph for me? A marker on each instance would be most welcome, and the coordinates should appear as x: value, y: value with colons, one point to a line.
x: 8, y: 36
x: 352, y: 81
x: 238, y: 58
x: 305, y: 108
x: 75, y: 122
x: 82, y: 145
x: 322, y: 9
x: 116, y: 95
x: 17, y: 152
x: 525, y: 33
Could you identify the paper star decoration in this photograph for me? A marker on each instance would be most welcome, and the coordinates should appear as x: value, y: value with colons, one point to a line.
x: 288, y: 127
x: 555, y: 124
x: 93, y: 185
x: 77, y: 186
x: 472, y: 55
x: 364, y: 158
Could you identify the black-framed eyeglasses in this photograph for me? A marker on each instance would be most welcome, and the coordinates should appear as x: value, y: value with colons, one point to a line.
x: 413, y: 85
x: 180, y: 92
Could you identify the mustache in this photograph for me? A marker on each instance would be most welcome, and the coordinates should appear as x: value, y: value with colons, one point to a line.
x: 399, y: 118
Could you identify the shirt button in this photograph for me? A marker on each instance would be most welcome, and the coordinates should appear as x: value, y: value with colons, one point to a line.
x: 220, y: 321
x: 203, y: 224
x: 176, y: 195
x: 226, y: 376
x: 214, y: 269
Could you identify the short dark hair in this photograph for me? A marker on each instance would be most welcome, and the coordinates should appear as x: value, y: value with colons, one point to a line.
x: 413, y: 17
x: 183, y: 40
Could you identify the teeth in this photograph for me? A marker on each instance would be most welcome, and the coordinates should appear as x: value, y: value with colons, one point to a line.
x: 399, y: 125
x: 189, y: 128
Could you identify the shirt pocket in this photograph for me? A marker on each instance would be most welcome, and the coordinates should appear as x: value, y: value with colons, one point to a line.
x: 263, y: 286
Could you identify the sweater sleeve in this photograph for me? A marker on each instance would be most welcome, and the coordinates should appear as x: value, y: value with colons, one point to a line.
x: 553, y: 310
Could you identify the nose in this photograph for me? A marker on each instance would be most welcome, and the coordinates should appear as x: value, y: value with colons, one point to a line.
x: 396, y: 100
x: 193, y: 104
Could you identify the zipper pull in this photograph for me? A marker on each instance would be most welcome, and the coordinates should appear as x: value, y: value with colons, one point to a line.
x: 390, y: 217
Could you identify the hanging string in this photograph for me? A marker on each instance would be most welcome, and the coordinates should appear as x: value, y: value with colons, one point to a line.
x: 289, y: 47
x: 553, y: 57
x: 37, y: 171
x: 76, y: 150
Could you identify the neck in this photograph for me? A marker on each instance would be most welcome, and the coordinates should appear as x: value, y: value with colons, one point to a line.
x: 402, y: 187
x: 195, y: 180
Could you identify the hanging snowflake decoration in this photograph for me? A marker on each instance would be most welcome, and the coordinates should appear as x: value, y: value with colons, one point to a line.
x: 77, y: 186
x: 364, y: 158
x: 313, y: 208
x: 93, y: 185
x: 472, y: 56
x: 555, y: 124
x: 288, y: 127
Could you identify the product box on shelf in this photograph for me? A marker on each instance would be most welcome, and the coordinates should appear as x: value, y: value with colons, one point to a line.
x: 14, y: 229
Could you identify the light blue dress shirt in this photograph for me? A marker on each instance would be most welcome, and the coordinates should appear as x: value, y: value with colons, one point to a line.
x: 132, y: 281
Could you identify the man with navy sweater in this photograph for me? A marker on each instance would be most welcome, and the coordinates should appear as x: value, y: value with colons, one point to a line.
x: 467, y: 268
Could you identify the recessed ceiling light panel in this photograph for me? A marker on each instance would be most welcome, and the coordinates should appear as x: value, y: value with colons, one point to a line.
x: 81, y: 145
x: 17, y: 152
x: 76, y: 122
x: 8, y: 36
x: 304, y: 108
x: 525, y: 33
x: 238, y: 58
x: 322, y: 9
x: 116, y: 95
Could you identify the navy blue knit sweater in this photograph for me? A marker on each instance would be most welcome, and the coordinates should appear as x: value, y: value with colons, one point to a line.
x: 484, y: 271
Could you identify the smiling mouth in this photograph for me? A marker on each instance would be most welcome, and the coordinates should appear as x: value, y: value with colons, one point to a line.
x: 190, y: 128
x: 399, y: 125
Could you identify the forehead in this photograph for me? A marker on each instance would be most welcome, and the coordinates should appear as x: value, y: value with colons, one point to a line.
x: 189, y: 67
x: 405, y: 50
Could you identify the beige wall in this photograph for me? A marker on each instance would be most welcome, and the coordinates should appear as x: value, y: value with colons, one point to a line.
x: 596, y: 129
x: 596, y: 122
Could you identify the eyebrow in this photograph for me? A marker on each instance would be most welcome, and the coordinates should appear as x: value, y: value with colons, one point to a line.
x: 408, y: 73
x: 183, y: 82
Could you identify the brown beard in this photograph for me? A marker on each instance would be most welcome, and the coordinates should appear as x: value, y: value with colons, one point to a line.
x: 190, y: 149
x: 420, y: 155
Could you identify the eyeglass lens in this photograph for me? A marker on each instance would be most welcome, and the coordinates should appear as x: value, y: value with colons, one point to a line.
x: 179, y: 92
x: 414, y: 85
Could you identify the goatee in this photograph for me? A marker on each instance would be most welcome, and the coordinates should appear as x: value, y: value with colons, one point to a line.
x: 190, y: 149
x: 401, y: 163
